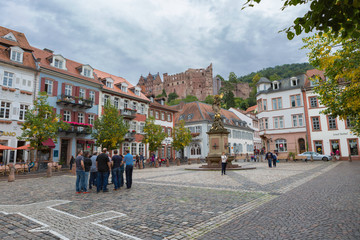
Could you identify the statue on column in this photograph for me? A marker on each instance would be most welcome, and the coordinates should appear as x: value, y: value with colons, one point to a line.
x: 216, y: 106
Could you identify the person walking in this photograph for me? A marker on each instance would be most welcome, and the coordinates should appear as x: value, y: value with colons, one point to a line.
x: 87, y: 166
x: 129, y: 161
x: 116, y: 163
x: 274, y: 159
x: 80, y: 174
x: 103, y: 166
x: 269, y: 158
x: 337, y: 155
x: 93, y: 171
x: 137, y: 163
x: 223, y: 163
x: 72, y: 161
x: 142, y: 159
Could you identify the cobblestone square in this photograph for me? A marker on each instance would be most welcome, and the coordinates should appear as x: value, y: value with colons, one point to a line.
x: 314, y: 200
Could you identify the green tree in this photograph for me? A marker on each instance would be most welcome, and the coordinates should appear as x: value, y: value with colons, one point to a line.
x: 229, y: 99
x: 209, y: 99
x: 232, y: 77
x: 154, y: 134
x: 110, y: 128
x: 274, y: 77
x: 188, y: 98
x: 340, y: 91
x: 172, y: 96
x: 341, y: 17
x: 181, y: 137
x: 41, y: 123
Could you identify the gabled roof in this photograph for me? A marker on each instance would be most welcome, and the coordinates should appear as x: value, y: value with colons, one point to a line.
x: 251, y: 109
x: 21, y: 40
x: 72, y: 66
x: 158, y: 105
x: 263, y: 80
x: 117, y: 81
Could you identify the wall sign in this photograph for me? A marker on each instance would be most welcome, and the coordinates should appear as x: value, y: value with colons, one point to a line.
x: 11, y: 134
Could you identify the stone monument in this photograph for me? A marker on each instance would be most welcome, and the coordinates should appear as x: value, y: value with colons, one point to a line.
x: 218, y: 139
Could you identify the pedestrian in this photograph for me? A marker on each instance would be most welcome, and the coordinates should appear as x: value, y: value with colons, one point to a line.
x: 274, y: 159
x: 87, y: 167
x: 122, y: 170
x: 103, y: 166
x: 337, y: 154
x: 269, y: 157
x: 116, y: 163
x: 137, y: 163
x: 142, y: 159
x: 31, y: 165
x: 72, y: 161
x: 93, y: 171
x: 129, y: 161
x: 223, y: 163
x: 80, y: 173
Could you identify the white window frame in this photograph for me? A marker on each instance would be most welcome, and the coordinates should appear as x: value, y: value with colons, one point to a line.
x: 67, y: 116
x: 8, y: 79
x: 82, y: 93
x: 133, y: 148
x: 49, y: 86
x: 81, y: 118
x: 91, y: 119
x: 68, y: 90
x: 5, y: 109
x: 23, y: 109
x: 116, y: 102
x: 92, y: 96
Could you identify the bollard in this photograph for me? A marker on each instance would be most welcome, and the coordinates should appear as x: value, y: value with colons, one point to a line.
x: 167, y: 163
x: 178, y: 162
x: 11, y: 177
x: 49, y: 170
x: 189, y: 161
x: 156, y: 163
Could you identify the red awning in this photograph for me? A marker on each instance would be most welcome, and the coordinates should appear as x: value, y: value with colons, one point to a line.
x: 3, y: 147
x: 25, y: 147
x: 90, y: 142
x: 81, y: 141
x: 49, y: 143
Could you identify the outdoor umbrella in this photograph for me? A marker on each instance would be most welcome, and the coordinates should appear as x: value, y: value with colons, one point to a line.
x: 3, y: 147
x: 25, y: 147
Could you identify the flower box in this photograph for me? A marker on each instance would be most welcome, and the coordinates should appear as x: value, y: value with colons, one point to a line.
x: 12, y: 89
x: 4, y: 88
x: 5, y: 121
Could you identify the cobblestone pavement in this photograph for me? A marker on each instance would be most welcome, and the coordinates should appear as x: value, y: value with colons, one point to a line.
x: 315, y: 200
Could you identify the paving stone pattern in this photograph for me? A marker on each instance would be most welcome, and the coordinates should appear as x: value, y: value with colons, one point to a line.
x: 293, y: 201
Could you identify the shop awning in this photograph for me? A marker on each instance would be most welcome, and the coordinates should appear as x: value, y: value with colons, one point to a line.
x: 3, y: 147
x: 25, y: 147
x: 81, y: 141
x: 90, y: 142
x: 49, y: 143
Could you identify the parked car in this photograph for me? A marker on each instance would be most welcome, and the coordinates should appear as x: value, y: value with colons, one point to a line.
x: 316, y: 156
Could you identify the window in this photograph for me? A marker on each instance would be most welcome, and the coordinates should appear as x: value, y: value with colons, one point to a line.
x: 156, y: 115
x: 318, y: 147
x: 141, y: 148
x: 82, y: 93
x: 92, y: 96
x: 264, y: 104
x: 314, y: 81
x: 275, y: 85
x: 142, y: 109
x: 109, y: 84
x: 169, y: 132
x: 68, y: 90
x: 87, y: 72
x: 133, y: 149
x: 91, y: 119
x: 295, y: 100
x: 334, y: 145
x: 134, y: 105
x: 163, y: 116
x: 16, y: 56
x: 151, y: 113
x: 261, y: 124
x: 278, y: 122
x: 125, y: 147
x: 116, y: 103
x: 198, y: 129
x: 123, y: 88
x: 313, y: 102
x: 276, y: 102
x: 281, y: 145
x: 266, y: 124
x: 195, y: 149
x: 332, y: 123
x: 349, y: 122
x: 48, y: 86
x: 126, y: 104
x: 106, y: 99
x: 5, y: 110
x: 67, y: 116
x: 315, y: 123
x: 168, y: 152
x: 353, y: 146
x: 81, y: 118
x: 297, y: 120
x: 293, y: 81
x: 8, y: 79
x: 142, y: 125
x: 23, y: 109
x: 58, y: 63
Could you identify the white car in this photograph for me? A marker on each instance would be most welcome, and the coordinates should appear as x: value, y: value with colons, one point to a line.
x: 316, y: 156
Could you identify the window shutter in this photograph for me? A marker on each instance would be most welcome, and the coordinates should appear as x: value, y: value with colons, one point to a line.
x: 55, y: 88
x: 86, y: 116
x: 63, y: 88
x: 62, y: 114
x: 96, y: 98
x: 102, y: 99
x: 74, y: 116
x: 73, y: 92
x: 42, y: 86
x: 87, y: 94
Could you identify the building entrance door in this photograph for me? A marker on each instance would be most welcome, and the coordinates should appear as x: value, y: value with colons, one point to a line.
x: 301, y: 145
x: 64, y: 152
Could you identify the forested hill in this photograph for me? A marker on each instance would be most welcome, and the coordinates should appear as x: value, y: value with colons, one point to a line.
x: 278, y: 72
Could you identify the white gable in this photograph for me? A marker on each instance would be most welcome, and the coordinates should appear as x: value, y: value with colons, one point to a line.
x: 10, y: 36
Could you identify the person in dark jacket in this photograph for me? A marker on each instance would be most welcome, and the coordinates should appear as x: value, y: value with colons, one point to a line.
x: 269, y: 157
x: 87, y: 165
x: 72, y: 161
x: 274, y: 159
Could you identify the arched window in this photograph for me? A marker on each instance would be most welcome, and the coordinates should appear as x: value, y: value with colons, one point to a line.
x: 281, y: 145
x: 195, y: 149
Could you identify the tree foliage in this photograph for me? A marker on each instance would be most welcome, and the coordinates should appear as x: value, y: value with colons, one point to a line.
x: 41, y: 123
x: 209, y: 99
x: 341, y: 17
x: 110, y: 128
x: 172, y: 96
x: 181, y: 136
x: 154, y: 134
x: 340, y: 58
x: 187, y: 99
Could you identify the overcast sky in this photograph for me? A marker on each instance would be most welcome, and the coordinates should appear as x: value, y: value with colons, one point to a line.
x: 130, y: 38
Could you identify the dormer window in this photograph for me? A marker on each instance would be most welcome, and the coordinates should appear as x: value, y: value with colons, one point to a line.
x: 275, y: 85
x: 87, y: 71
x: 162, y: 102
x: 58, y: 61
x: 137, y: 91
x: 124, y: 87
x: 109, y: 84
x: 10, y: 36
x: 293, y: 81
x: 16, y: 54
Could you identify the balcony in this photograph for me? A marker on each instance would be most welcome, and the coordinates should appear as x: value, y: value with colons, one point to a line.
x: 78, y: 129
x: 130, y: 136
x: 66, y: 100
x: 128, y: 113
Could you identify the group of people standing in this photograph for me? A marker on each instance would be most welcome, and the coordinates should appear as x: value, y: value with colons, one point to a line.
x: 99, y: 168
x: 272, y: 158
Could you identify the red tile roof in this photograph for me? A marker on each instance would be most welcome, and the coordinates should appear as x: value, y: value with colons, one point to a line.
x: 251, y: 109
x: 20, y: 37
x: 28, y: 60
x: 159, y: 106
x: 72, y: 66
x: 118, y: 80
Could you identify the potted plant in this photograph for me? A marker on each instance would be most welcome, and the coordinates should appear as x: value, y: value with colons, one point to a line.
x: 291, y: 156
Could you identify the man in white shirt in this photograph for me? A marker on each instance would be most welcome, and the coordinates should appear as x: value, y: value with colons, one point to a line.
x: 223, y: 163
